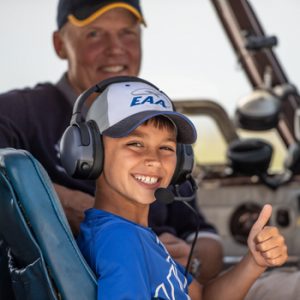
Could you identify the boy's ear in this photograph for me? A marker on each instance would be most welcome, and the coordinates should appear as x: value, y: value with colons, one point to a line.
x: 59, y: 45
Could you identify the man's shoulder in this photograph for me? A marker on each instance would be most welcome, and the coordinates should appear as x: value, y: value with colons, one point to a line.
x: 41, y: 89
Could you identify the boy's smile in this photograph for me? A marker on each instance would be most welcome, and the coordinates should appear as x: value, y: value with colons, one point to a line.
x: 146, y: 179
x: 134, y: 167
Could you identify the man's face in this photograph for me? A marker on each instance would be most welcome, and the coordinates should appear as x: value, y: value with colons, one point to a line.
x: 136, y: 165
x: 109, y: 46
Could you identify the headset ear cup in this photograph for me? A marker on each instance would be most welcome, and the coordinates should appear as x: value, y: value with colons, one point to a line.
x: 96, y: 139
x: 69, y: 145
x: 185, y: 163
x: 77, y: 152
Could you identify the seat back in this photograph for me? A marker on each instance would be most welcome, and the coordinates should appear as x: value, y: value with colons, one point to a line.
x: 43, y: 257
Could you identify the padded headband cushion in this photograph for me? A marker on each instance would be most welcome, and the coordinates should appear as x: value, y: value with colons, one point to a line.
x: 259, y: 111
x: 250, y: 156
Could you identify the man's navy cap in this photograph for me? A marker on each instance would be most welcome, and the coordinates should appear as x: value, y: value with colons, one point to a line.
x: 83, y: 12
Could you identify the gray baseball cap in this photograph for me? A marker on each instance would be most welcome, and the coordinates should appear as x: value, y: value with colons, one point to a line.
x: 124, y: 106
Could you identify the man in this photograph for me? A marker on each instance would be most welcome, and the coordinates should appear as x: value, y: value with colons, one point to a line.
x: 99, y: 40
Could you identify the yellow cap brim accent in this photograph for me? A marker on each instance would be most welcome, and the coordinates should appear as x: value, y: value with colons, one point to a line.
x: 80, y: 23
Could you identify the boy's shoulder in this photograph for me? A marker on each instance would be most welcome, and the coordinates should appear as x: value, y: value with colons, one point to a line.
x: 106, y: 225
x: 107, y: 235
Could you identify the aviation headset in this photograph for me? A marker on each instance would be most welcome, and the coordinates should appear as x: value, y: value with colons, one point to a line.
x: 81, y: 148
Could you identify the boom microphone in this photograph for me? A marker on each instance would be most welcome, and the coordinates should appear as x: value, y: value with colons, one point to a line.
x: 166, y: 196
x: 176, y: 192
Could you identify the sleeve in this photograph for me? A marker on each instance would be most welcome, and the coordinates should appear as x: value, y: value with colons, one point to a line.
x: 120, y: 265
x: 14, y: 122
x: 185, y: 221
x: 176, y: 218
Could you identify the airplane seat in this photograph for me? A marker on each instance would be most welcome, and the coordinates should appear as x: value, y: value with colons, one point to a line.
x: 44, y: 261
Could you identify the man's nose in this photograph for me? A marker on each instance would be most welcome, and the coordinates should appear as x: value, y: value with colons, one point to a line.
x: 115, y: 45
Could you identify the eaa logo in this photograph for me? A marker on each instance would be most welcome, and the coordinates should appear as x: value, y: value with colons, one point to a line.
x: 148, y: 96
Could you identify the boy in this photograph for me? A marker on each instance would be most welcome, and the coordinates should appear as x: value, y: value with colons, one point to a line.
x: 140, y: 132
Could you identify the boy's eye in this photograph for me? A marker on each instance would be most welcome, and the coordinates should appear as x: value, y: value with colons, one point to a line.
x: 135, y: 144
x: 168, y: 148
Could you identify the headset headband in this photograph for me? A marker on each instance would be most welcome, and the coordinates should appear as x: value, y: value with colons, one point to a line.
x: 77, y: 117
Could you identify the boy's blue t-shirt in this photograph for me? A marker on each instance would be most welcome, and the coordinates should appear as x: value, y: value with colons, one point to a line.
x: 129, y: 260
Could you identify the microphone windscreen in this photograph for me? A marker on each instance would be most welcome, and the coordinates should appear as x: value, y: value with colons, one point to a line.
x: 164, y: 195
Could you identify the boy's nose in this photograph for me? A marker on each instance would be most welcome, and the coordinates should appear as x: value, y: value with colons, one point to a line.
x: 152, y: 163
x: 152, y: 159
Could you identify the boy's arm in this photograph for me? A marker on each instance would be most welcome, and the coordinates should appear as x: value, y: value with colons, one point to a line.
x: 266, y: 248
x: 235, y: 283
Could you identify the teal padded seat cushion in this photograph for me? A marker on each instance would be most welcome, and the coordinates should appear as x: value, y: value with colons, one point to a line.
x: 46, y: 236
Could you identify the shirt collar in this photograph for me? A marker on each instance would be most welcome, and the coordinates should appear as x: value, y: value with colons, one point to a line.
x: 64, y: 86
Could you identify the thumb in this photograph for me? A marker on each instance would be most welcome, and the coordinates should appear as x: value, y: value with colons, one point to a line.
x: 262, y: 220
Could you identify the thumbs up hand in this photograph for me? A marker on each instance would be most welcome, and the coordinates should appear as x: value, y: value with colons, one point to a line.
x: 266, y: 244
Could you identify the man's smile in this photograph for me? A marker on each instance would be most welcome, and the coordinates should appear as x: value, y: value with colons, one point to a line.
x: 113, y: 69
